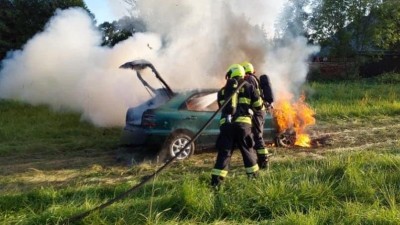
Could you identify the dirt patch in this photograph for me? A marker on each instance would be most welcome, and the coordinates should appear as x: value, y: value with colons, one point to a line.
x: 326, y: 137
x: 369, y: 134
x: 76, y: 160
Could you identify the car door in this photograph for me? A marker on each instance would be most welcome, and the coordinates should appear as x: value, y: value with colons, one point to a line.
x: 269, y: 128
x: 198, y: 110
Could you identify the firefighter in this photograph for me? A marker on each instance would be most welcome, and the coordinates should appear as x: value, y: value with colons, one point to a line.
x: 258, y: 119
x: 235, y: 125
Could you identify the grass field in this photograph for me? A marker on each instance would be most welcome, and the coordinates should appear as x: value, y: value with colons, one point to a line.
x: 53, y: 166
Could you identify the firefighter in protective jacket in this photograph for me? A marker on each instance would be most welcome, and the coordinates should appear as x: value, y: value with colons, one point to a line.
x: 235, y: 124
x: 258, y: 119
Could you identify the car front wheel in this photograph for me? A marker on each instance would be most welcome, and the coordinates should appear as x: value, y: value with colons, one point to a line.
x: 286, y: 139
x: 174, y: 145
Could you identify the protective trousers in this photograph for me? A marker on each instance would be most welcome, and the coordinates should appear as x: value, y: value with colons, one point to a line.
x: 224, y: 146
x: 234, y: 135
x: 257, y: 129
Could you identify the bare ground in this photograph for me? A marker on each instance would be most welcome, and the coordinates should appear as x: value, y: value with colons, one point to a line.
x: 59, y: 169
x: 344, y: 135
x: 352, y: 135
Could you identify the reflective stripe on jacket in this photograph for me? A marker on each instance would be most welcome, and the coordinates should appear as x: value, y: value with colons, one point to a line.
x: 248, y: 100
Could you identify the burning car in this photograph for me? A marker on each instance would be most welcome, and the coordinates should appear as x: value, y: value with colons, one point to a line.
x: 169, y: 119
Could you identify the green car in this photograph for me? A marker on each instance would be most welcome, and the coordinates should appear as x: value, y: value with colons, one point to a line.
x: 168, y: 121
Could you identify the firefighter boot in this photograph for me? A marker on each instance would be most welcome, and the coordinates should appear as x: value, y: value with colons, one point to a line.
x: 216, y: 180
x: 263, y: 161
x: 252, y: 176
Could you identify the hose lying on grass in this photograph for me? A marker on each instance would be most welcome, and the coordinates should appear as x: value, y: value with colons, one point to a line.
x: 150, y: 177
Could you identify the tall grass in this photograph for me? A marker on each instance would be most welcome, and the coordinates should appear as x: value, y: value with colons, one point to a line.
x: 354, y: 187
x: 351, y: 99
x: 340, y: 189
x: 36, y: 129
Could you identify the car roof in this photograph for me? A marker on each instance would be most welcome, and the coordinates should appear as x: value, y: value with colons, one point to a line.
x: 181, y: 96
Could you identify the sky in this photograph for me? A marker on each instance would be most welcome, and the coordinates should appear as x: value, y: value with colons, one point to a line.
x: 104, y: 10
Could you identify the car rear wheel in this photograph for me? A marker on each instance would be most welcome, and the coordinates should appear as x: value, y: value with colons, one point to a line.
x: 174, y: 144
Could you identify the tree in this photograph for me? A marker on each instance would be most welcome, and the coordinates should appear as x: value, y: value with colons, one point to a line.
x: 386, y: 32
x: 120, y: 30
x: 294, y: 19
x: 343, y: 25
x: 6, y: 35
x: 21, y: 19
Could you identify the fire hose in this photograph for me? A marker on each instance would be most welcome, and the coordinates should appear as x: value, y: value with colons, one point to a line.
x: 150, y: 177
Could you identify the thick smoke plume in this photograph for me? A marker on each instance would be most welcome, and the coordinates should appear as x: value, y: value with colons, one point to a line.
x: 190, y: 43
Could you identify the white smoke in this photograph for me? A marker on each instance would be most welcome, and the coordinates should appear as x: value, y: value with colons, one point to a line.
x: 287, y: 67
x: 65, y: 67
x: 190, y: 43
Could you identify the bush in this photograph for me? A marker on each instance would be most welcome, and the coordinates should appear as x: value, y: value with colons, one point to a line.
x: 333, y: 71
x: 387, y: 78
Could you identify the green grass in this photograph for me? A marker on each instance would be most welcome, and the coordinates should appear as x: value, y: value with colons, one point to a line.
x: 36, y: 129
x: 61, y: 172
x: 356, y: 99
x: 340, y: 189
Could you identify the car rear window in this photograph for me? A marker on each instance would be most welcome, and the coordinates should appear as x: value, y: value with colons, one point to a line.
x: 204, y: 102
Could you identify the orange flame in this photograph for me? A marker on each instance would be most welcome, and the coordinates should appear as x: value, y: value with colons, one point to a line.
x: 297, y: 116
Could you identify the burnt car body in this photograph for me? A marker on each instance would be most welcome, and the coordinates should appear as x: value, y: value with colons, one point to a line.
x: 167, y: 122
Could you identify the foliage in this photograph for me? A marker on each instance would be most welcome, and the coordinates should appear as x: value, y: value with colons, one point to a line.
x: 294, y: 18
x: 387, y: 30
x: 387, y: 78
x: 355, y: 29
x: 343, y: 25
x: 21, y: 19
x: 120, y: 30
x: 344, y: 28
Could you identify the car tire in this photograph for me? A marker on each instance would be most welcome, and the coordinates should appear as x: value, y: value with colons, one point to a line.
x: 174, y: 143
x: 286, y: 139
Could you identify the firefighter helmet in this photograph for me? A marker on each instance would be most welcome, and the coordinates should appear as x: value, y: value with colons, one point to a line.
x: 248, y: 67
x: 236, y: 70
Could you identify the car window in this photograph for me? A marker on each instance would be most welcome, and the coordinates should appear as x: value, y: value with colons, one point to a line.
x: 202, y: 102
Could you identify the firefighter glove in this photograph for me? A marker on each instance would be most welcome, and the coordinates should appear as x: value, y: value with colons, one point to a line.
x: 229, y: 118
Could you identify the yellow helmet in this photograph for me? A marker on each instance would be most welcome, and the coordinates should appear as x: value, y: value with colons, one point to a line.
x: 248, y: 67
x: 236, y: 70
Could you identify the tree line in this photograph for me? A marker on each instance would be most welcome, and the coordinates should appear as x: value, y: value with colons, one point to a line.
x: 345, y: 27
x: 20, y: 20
